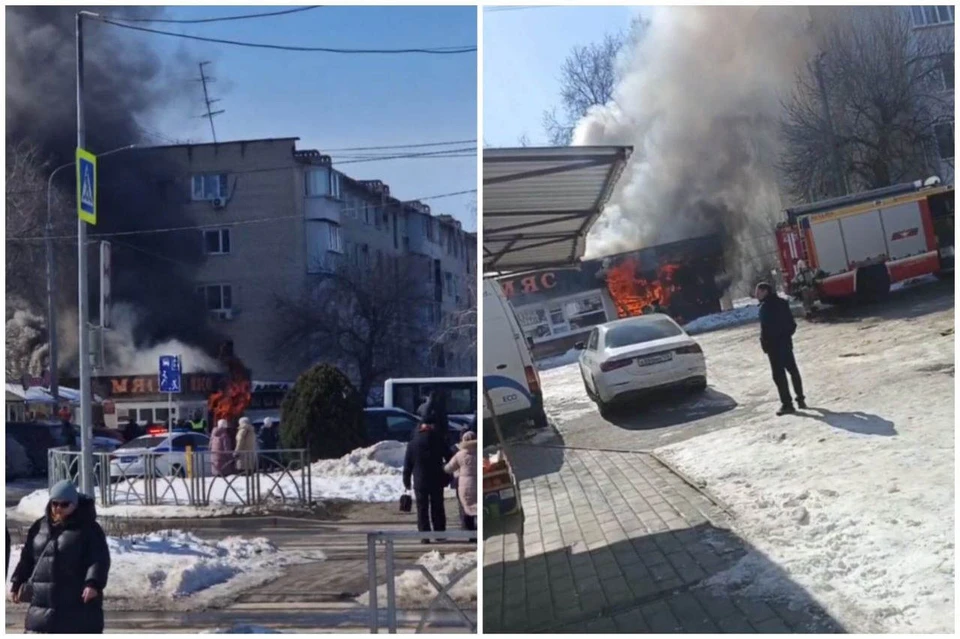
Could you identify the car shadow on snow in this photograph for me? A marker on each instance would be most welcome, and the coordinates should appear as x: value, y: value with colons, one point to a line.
x: 693, y: 580
x: 671, y: 408
x: 854, y: 421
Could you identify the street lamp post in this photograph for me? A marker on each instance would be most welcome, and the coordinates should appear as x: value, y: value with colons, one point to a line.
x: 51, y: 277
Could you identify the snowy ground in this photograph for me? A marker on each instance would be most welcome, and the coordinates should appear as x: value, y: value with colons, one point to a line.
x: 170, y: 565
x: 414, y: 591
x: 854, y: 499
x: 371, y: 474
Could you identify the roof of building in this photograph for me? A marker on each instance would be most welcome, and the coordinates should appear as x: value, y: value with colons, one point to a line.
x: 540, y: 202
x: 220, y: 143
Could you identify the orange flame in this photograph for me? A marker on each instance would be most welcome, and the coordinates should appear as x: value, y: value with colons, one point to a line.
x: 633, y: 294
x: 231, y: 402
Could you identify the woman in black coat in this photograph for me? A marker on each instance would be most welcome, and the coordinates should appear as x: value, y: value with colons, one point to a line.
x: 64, y: 562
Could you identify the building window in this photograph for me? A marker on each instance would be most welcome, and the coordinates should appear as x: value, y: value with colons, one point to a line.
x: 335, y: 239
x: 944, y: 133
x: 210, y: 187
x: 218, y: 297
x: 924, y: 16
x: 945, y: 73
x: 216, y: 241
x: 428, y: 228
x: 323, y: 183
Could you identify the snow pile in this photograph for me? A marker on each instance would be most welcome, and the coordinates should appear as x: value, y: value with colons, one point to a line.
x: 567, y: 358
x: 414, y: 591
x: 735, y: 317
x: 172, y: 564
x: 852, y: 500
x: 383, y: 458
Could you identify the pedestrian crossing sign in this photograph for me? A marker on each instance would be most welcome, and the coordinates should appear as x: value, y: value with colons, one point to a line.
x: 86, y: 186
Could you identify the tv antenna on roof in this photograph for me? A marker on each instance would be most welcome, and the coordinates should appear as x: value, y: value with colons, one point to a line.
x: 204, y: 79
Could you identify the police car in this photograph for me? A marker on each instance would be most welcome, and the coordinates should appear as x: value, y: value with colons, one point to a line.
x: 169, y: 450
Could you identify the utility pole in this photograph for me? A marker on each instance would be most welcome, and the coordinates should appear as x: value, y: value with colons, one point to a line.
x: 204, y: 79
x: 840, y: 180
x: 52, y: 280
x: 86, y: 396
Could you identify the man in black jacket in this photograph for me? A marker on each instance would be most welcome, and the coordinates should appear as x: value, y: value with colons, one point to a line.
x: 64, y: 562
x: 427, y: 453
x: 777, y: 327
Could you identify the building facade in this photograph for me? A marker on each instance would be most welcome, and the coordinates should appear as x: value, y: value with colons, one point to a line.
x: 272, y: 219
x: 938, y: 22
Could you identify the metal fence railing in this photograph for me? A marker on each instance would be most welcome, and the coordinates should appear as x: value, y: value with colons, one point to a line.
x: 194, y: 478
x: 388, y: 539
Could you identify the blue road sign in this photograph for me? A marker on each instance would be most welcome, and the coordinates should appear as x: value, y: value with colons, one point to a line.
x: 170, y: 376
x: 86, y: 186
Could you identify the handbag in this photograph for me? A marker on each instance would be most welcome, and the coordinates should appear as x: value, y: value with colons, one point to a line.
x: 26, y: 588
x: 406, y: 503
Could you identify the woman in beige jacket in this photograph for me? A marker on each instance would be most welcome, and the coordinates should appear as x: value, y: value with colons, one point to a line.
x: 463, y: 466
x: 246, y: 450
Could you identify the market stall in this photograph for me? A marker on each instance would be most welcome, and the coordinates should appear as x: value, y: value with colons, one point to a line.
x: 538, y: 206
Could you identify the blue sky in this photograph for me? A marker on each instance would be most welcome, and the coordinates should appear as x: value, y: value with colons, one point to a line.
x: 523, y: 49
x: 335, y: 101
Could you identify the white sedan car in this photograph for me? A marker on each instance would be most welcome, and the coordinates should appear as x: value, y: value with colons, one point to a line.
x: 639, y: 354
x: 169, y: 450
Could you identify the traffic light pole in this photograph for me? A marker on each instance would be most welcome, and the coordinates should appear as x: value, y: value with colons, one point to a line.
x: 86, y: 396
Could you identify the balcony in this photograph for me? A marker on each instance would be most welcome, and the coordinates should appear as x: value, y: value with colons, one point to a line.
x: 322, y: 209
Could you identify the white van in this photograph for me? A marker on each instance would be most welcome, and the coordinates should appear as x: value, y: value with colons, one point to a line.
x: 509, y: 373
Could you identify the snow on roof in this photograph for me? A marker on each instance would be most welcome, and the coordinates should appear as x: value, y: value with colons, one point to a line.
x: 38, y: 395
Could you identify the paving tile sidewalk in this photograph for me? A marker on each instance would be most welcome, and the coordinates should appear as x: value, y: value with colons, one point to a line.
x: 617, y: 542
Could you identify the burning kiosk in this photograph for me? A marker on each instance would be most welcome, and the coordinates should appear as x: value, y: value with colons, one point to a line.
x: 557, y: 307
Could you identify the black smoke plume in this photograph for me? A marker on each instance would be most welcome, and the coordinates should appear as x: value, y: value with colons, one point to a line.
x: 126, y: 83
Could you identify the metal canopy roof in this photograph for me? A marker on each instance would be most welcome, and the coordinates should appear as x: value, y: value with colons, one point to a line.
x: 539, y: 203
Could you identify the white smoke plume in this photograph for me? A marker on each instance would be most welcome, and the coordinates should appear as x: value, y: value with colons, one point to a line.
x: 700, y: 102
x: 26, y: 340
x: 122, y: 357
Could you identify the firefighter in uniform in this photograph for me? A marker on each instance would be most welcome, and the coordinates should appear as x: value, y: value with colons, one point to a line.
x: 198, y: 424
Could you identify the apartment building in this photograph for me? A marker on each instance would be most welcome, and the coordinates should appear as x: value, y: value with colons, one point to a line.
x: 931, y: 22
x: 938, y: 22
x: 288, y: 216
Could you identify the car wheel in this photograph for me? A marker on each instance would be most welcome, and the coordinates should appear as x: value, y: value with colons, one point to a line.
x: 586, y: 387
x: 701, y: 385
x: 177, y: 471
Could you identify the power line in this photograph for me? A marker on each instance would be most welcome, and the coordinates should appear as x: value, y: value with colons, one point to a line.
x: 465, y: 152
x: 281, y: 47
x: 220, y: 225
x: 402, y: 146
x: 223, y: 19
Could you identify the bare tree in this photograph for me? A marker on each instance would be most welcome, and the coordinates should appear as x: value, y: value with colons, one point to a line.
x: 869, y: 102
x: 457, y: 332
x: 373, y: 321
x: 588, y: 78
x: 25, y: 260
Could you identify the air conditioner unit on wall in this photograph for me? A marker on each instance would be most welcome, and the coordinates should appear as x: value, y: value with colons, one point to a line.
x: 218, y: 202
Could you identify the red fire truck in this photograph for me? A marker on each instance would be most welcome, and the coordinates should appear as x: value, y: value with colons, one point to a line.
x: 858, y: 245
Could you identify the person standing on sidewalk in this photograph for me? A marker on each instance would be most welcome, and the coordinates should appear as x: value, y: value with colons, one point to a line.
x: 463, y: 466
x: 777, y: 328
x: 63, y: 567
x: 221, y: 451
x: 246, y: 450
x: 426, y: 454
